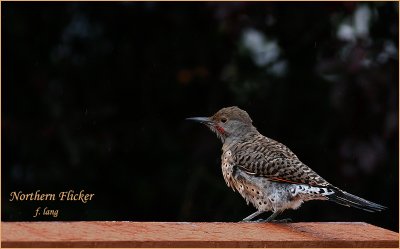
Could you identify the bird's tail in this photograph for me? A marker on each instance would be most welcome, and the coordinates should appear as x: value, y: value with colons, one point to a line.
x: 349, y: 200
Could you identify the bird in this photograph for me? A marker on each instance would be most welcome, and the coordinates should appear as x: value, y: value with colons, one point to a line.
x: 268, y: 174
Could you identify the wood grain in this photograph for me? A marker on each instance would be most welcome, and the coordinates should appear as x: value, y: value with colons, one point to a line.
x: 185, y: 234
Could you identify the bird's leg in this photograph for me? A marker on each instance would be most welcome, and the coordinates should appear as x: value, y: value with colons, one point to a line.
x: 272, y: 218
x: 251, y: 216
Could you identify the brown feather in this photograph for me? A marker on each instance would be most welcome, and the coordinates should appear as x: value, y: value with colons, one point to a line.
x: 274, y: 161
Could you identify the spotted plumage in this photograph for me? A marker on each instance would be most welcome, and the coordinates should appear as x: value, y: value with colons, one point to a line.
x: 265, y: 172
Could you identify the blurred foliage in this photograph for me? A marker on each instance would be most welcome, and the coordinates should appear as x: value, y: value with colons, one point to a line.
x: 94, y: 97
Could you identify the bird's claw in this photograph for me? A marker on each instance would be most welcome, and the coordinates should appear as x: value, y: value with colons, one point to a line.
x: 287, y: 220
x: 273, y: 221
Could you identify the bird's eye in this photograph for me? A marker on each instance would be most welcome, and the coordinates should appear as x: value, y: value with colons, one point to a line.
x: 223, y: 120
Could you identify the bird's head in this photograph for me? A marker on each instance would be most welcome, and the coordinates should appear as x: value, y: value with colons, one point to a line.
x: 228, y: 122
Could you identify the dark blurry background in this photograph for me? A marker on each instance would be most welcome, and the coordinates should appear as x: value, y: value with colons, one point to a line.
x: 94, y: 97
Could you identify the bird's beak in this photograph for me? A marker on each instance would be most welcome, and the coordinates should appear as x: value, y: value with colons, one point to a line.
x: 203, y: 120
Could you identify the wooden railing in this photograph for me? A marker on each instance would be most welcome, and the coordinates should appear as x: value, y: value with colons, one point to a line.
x: 187, y: 234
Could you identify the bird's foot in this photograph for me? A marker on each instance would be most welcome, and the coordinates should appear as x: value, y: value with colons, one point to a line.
x: 288, y: 220
x: 249, y: 221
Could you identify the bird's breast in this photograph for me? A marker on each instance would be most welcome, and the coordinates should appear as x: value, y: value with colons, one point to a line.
x: 227, y: 166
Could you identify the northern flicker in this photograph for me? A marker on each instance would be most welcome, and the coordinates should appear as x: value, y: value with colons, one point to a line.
x: 266, y: 173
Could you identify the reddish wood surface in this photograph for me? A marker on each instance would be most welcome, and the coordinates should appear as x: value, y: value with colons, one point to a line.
x: 185, y: 234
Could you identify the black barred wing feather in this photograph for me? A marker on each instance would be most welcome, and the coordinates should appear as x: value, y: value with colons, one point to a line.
x: 268, y: 158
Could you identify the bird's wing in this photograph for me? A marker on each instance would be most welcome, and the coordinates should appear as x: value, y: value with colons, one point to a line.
x: 268, y: 158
